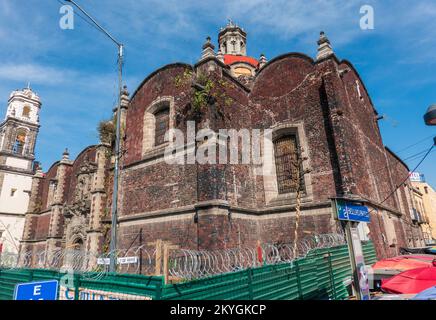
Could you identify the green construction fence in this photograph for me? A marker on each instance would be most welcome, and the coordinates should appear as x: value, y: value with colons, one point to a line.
x: 323, y: 274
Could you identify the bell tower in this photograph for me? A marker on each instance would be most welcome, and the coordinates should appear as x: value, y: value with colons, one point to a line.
x: 18, y: 133
x: 233, y: 40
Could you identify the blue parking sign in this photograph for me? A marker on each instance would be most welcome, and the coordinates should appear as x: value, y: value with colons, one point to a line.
x: 45, y: 290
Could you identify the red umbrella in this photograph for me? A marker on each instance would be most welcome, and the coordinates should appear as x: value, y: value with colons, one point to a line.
x: 411, y: 281
x: 404, y: 263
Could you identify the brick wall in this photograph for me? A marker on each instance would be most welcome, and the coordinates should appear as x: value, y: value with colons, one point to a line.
x: 217, y: 206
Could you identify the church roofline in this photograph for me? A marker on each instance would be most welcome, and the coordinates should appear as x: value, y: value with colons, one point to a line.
x: 199, y: 63
x: 287, y: 55
x: 83, y: 151
x: 151, y: 75
x: 73, y: 161
x: 54, y: 164
x: 226, y: 67
x: 349, y: 64
x: 397, y: 157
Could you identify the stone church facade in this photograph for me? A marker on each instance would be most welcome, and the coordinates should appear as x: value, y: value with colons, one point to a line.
x: 318, y: 110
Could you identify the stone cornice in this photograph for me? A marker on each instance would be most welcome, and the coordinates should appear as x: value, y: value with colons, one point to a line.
x: 223, y: 205
x: 24, y: 172
x: 32, y: 125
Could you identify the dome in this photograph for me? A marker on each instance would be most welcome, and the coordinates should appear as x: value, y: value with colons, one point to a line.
x: 231, y: 59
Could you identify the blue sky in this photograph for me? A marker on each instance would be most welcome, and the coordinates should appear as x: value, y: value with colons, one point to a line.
x: 74, y: 71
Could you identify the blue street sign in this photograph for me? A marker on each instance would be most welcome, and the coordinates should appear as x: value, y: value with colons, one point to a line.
x: 352, y: 212
x: 46, y: 290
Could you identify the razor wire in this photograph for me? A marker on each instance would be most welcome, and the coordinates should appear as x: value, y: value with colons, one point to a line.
x: 88, y: 264
x: 193, y: 264
x: 182, y: 263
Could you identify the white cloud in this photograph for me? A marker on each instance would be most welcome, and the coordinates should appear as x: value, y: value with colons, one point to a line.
x: 35, y: 73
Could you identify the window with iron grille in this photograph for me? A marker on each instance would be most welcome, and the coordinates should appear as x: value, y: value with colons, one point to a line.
x: 287, y: 167
x: 162, y: 125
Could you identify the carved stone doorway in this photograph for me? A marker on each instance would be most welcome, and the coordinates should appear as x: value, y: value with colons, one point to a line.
x: 75, y: 254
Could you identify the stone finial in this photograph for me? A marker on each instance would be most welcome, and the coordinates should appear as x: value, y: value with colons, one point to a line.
x: 66, y: 155
x: 208, y: 49
x: 324, y: 48
x: 262, y: 61
x: 38, y: 170
x: 125, y: 98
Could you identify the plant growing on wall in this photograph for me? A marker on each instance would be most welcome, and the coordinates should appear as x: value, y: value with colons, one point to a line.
x: 207, y: 90
x: 106, y: 130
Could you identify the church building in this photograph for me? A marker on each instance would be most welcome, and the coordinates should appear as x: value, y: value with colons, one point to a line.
x: 320, y: 115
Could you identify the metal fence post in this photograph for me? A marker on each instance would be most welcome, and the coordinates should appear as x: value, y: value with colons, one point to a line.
x: 297, y: 272
x: 332, y: 275
x: 250, y: 283
x: 76, y: 286
x: 159, y: 290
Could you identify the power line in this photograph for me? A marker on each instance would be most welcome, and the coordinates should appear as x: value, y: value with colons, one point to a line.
x: 415, y: 144
x: 79, y: 15
x: 389, y: 166
x: 417, y: 156
x: 114, y: 207
x: 394, y: 165
x: 408, y: 176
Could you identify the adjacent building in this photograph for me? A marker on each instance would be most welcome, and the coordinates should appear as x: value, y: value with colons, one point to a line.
x: 426, y: 204
x: 320, y: 116
x: 18, y: 133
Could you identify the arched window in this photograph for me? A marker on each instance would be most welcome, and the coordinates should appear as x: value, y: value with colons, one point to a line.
x: 19, y: 142
x: 287, y: 164
x: 158, y: 119
x: 162, y: 124
x: 51, y: 192
x: 26, y: 112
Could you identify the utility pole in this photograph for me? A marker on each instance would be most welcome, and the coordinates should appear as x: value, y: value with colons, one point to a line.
x: 113, y: 242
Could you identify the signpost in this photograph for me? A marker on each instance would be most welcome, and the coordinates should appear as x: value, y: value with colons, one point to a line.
x: 360, y: 272
x: 347, y: 211
x: 351, y: 214
x: 46, y: 290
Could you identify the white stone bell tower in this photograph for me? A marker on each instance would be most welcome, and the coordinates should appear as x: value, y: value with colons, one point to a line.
x: 233, y: 40
x: 18, y: 133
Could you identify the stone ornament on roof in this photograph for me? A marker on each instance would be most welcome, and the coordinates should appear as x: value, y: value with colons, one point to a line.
x: 324, y: 47
x: 208, y: 49
x: 262, y: 61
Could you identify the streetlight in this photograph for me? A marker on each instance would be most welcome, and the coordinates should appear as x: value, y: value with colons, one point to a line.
x: 114, y: 210
x: 430, y: 116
